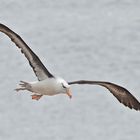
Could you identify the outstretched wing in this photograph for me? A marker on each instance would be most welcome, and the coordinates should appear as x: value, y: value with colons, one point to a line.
x: 122, y: 94
x: 39, y: 69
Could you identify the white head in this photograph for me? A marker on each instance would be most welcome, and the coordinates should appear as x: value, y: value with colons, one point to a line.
x: 64, y: 87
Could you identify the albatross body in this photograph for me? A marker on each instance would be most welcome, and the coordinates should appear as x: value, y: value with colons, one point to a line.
x: 49, y: 84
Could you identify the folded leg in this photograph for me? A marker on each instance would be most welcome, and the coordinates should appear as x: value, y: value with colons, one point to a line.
x: 36, y: 97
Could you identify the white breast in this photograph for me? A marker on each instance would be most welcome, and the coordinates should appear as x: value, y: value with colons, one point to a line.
x: 48, y: 86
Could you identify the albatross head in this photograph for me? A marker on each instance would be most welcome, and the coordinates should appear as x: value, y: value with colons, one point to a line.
x: 64, y: 87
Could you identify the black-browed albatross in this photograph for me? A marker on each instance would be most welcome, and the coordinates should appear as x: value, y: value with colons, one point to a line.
x: 48, y: 84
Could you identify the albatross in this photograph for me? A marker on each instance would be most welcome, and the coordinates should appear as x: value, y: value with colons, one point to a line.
x: 48, y: 84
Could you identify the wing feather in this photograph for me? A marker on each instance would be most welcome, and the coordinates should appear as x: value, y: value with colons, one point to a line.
x: 122, y: 94
x: 39, y: 69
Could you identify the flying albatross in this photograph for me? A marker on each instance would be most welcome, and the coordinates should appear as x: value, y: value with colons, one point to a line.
x: 48, y: 84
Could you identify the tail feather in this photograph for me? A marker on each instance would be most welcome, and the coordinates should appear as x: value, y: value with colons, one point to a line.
x: 24, y: 86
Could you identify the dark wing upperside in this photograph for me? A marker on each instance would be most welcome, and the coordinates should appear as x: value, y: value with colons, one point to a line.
x: 122, y: 94
x: 39, y: 69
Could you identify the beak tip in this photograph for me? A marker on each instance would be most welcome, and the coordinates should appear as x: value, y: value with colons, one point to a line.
x: 69, y: 94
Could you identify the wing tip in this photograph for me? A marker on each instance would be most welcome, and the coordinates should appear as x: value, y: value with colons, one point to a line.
x: 135, y: 105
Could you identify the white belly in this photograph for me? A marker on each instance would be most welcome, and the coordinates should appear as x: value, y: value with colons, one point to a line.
x: 46, y: 87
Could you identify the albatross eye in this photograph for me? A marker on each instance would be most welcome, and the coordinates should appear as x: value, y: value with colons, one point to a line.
x: 63, y: 85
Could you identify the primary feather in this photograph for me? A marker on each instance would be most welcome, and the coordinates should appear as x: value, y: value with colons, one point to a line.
x: 122, y: 94
x: 39, y: 69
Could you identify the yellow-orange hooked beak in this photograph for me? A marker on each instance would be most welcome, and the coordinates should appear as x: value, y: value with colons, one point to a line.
x: 69, y: 93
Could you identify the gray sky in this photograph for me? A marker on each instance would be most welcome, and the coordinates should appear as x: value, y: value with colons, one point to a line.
x: 83, y: 39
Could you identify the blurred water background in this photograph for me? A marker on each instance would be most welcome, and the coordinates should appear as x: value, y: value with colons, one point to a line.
x: 75, y: 39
